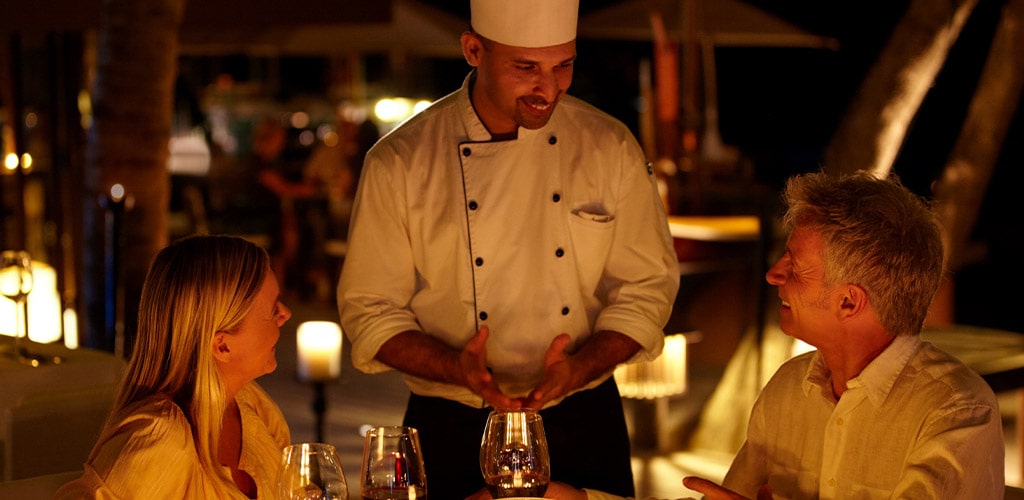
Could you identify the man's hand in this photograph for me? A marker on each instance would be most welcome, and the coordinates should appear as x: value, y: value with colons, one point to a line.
x: 418, y: 354
x: 565, y: 372
x: 482, y: 494
x: 557, y: 375
x: 713, y: 491
x: 562, y: 491
x: 556, y: 490
x: 473, y: 362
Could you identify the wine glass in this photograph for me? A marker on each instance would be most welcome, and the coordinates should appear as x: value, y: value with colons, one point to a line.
x: 514, y: 454
x: 15, y: 284
x: 311, y: 471
x: 393, y: 465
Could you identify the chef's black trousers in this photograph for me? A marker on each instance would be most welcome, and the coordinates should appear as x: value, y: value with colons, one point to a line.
x: 586, y: 432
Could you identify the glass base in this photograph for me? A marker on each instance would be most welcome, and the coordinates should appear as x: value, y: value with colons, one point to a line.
x: 24, y: 356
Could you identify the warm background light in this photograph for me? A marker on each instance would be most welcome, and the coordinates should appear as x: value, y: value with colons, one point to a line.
x: 319, y: 350
x: 662, y: 377
x: 44, y: 309
x: 11, y: 161
x: 397, y: 109
x: 70, y: 328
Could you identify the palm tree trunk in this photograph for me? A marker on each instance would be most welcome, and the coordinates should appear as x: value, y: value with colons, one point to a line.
x: 877, y: 119
x: 132, y: 97
x: 965, y: 179
x: 962, y: 186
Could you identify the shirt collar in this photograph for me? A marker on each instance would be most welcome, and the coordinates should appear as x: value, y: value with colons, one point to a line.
x: 881, y: 373
x: 475, y: 129
x: 817, y: 376
x: 877, y: 378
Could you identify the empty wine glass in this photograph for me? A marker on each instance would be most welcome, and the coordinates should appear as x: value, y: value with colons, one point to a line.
x: 514, y: 454
x: 393, y: 465
x: 15, y: 284
x: 311, y: 471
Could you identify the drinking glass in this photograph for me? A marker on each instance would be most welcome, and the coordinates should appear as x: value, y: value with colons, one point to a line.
x: 514, y: 454
x: 393, y: 465
x: 311, y: 471
x: 15, y: 284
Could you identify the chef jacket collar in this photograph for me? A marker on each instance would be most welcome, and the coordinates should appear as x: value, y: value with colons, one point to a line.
x: 476, y: 131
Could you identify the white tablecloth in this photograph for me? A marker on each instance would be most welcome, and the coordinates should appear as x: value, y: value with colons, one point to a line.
x: 51, y: 415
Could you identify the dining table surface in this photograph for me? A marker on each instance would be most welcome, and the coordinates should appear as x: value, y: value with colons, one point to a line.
x: 57, y: 402
x: 720, y: 228
x: 997, y: 355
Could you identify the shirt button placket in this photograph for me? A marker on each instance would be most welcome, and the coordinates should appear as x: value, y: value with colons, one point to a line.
x: 472, y: 205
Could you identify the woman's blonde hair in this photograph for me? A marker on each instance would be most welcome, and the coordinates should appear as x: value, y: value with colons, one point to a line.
x: 195, y: 287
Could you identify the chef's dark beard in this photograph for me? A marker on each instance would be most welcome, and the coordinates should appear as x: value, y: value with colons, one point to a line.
x: 529, y: 120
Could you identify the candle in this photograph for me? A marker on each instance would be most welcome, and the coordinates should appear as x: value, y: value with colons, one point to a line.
x: 43, y: 304
x: 319, y: 350
x: 659, y: 378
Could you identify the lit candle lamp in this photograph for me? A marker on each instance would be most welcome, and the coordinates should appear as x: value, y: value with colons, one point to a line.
x: 44, y: 310
x: 662, y: 377
x: 657, y: 380
x: 70, y: 328
x: 319, y: 350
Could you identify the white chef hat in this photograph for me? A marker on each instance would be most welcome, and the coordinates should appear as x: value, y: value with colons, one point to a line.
x: 525, y: 23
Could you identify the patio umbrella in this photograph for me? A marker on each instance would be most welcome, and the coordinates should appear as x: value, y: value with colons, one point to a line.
x: 413, y: 28
x: 722, y: 22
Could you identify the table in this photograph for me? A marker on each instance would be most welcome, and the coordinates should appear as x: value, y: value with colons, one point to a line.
x: 715, y: 227
x: 51, y: 415
x: 996, y: 355
x: 710, y: 243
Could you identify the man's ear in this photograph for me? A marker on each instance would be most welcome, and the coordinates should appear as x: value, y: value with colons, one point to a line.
x: 853, y: 301
x: 471, y: 48
x: 221, y: 350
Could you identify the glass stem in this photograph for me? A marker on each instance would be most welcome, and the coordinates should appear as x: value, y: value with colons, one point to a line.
x: 21, y: 328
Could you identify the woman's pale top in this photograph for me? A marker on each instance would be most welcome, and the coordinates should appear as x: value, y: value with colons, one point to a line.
x: 152, y: 454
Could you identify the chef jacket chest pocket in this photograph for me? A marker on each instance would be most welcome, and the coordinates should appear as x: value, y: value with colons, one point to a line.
x: 592, y: 233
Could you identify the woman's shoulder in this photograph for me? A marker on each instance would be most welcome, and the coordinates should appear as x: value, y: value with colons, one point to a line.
x: 156, y: 418
x: 151, y: 439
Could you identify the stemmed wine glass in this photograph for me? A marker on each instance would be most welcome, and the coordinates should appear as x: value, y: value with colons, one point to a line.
x: 15, y: 284
x: 311, y: 471
x: 514, y: 454
x: 393, y: 465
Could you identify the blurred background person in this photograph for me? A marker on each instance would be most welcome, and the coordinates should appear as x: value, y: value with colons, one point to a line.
x: 293, y: 193
x: 334, y: 167
x: 335, y: 164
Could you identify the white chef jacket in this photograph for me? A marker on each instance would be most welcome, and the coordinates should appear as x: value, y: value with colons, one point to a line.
x: 916, y: 423
x: 560, y: 230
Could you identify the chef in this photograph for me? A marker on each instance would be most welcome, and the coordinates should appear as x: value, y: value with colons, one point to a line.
x: 508, y: 248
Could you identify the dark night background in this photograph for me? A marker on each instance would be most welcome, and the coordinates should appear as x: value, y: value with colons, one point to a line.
x: 780, y: 107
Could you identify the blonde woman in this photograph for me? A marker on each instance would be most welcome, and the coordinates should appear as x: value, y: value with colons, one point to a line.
x: 189, y: 420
